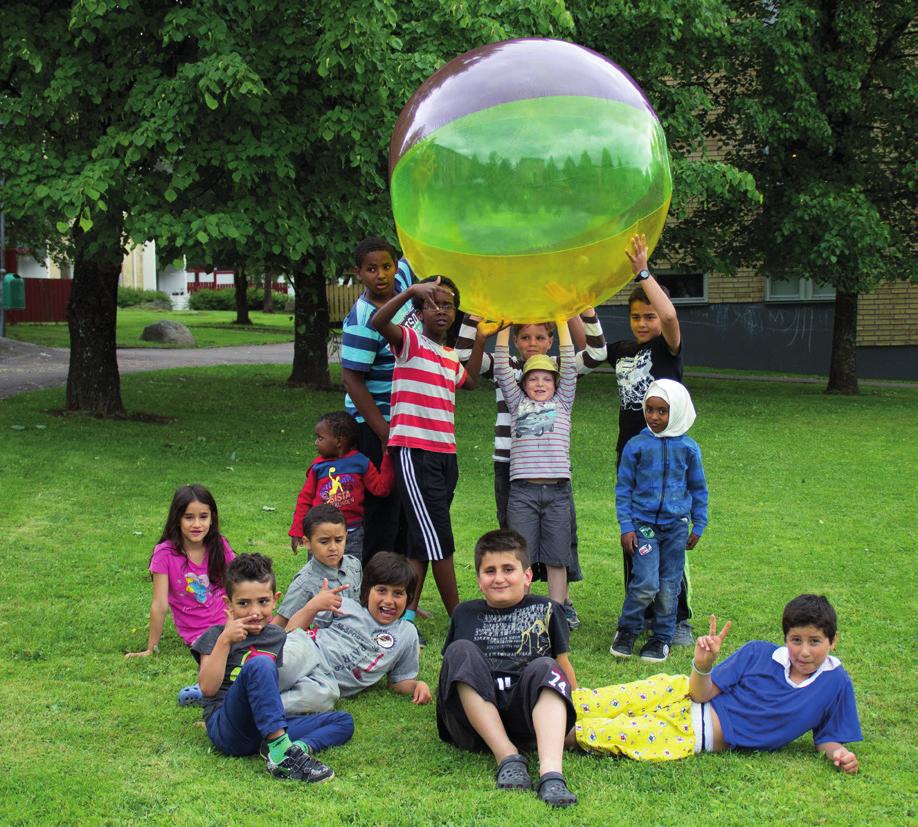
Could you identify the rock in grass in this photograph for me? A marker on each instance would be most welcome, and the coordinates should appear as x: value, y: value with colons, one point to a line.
x: 168, y: 332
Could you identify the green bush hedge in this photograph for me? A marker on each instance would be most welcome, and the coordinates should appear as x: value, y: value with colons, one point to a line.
x: 226, y: 299
x: 132, y: 296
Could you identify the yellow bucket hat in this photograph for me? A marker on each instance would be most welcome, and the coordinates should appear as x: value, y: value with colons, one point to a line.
x: 541, y: 361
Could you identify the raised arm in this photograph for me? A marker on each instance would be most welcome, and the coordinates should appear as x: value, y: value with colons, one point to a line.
x: 637, y: 254
x: 465, y: 342
x: 382, y: 318
x: 483, y: 331
x: 503, y: 375
x: 707, y: 648
x: 591, y: 353
x: 578, y: 334
x: 567, y: 387
x: 213, y: 665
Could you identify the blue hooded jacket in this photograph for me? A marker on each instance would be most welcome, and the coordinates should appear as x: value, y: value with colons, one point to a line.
x: 661, y: 480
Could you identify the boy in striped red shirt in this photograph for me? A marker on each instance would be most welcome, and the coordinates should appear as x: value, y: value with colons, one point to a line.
x: 421, y: 431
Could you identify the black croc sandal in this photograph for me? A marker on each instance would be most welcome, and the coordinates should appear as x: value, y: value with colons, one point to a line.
x: 513, y: 773
x: 553, y: 790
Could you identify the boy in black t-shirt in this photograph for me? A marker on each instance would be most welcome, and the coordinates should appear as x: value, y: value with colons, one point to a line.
x: 506, y: 678
x: 655, y: 352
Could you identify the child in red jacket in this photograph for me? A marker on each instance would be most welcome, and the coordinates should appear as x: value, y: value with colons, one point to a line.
x: 339, y: 476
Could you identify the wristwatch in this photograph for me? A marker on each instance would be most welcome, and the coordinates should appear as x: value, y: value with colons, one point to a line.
x: 644, y: 274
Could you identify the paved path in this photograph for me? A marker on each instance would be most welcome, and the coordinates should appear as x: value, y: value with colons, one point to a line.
x: 27, y: 367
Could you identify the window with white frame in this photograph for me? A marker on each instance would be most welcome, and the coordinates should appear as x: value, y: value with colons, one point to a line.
x: 685, y: 287
x: 797, y: 290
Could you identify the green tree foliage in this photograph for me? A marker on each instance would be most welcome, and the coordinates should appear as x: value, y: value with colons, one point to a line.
x: 678, y: 52
x: 251, y: 133
x: 819, y: 104
x: 814, y: 104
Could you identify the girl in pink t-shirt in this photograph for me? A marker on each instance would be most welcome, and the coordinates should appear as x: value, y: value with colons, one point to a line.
x: 187, y: 567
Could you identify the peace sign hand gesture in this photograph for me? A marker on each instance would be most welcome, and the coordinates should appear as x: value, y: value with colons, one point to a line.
x: 707, y: 647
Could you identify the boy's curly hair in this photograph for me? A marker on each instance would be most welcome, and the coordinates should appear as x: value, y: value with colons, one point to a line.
x: 249, y: 568
x: 342, y: 425
x: 373, y: 244
x: 810, y: 610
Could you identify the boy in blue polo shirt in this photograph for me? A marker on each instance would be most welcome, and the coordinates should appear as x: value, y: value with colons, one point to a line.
x: 760, y: 698
x: 366, y: 368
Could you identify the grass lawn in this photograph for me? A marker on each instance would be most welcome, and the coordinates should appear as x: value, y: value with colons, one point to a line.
x: 808, y: 493
x: 210, y: 328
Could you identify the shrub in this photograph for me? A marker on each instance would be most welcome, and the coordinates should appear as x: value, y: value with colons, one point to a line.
x: 213, y: 299
x: 132, y: 296
x: 225, y: 299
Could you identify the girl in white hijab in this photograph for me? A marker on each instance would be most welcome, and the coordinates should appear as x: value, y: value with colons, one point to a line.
x: 661, y: 491
x: 681, y: 409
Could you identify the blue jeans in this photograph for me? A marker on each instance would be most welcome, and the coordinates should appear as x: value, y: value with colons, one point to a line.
x: 252, y: 709
x: 656, y: 577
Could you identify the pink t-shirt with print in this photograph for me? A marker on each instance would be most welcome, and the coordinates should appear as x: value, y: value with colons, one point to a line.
x: 196, y: 603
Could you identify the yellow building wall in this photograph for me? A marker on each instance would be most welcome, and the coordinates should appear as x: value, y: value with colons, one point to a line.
x: 889, y: 316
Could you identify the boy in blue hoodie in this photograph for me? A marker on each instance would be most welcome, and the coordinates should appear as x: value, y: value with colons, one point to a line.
x: 660, y: 487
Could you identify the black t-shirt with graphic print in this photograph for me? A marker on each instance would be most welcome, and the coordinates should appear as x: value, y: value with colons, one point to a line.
x: 513, y: 637
x: 636, y: 366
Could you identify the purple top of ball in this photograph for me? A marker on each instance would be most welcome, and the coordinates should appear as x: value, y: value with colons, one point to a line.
x: 508, y: 71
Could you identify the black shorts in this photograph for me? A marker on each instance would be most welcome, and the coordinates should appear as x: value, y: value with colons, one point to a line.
x: 514, y: 697
x: 427, y: 481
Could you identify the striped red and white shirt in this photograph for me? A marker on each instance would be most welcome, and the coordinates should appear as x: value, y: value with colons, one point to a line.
x: 423, y: 397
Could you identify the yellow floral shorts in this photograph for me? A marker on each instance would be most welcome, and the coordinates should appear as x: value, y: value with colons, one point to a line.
x: 648, y: 720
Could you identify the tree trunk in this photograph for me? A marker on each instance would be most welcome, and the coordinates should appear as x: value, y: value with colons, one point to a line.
x: 310, y: 326
x: 268, y: 304
x: 93, y: 382
x: 242, y: 299
x: 843, y: 365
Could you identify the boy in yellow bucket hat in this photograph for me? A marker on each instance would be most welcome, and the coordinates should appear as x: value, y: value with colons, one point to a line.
x: 540, y: 406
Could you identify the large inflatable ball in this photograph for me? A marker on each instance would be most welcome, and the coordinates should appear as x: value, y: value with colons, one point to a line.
x: 520, y: 170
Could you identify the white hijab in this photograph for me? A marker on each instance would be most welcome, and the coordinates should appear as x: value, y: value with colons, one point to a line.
x: 681, y: 409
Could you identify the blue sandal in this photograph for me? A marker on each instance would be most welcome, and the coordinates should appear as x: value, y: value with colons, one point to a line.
x: 191, y: 696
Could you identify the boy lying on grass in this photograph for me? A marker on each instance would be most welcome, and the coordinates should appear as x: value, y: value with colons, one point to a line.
x: 762, y: 697
x: 356, y: 644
